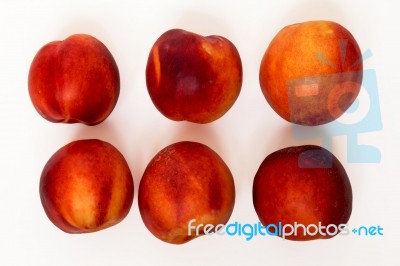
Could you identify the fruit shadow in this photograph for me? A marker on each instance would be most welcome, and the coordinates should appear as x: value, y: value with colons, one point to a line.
x: 300, y: 12
x: 204, y: 134
x: 314, y: 10
x: 181, y: 131
x: 103, y: 131
x: 296, y: 135
x: 79, y: 25
x: 204, y: 24
x: 320, y: 10
x: 107, y: 131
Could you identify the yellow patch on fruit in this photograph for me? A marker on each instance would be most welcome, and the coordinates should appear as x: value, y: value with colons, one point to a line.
x: 118, y: 196
x: 82, y: 206
x: 157, y: 67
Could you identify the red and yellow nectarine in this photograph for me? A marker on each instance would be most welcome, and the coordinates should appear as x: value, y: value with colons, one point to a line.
x: 185, y: 181
x: 86, y: 186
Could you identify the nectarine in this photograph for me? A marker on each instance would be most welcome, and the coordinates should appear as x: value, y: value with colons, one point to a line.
x: 75, y: 80
x: 311, y: 72
x: 185, y: 181
x: 293, y: 186
x: 86, y: 186
x: 193, y: 78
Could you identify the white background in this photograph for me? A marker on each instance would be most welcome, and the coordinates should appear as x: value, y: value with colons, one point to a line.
x: 243, y: 137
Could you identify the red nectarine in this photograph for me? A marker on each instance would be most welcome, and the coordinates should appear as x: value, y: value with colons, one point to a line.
x: 191, y: 77
x: 294, y: 186
x: 75, y: 80
x: 185, y: 181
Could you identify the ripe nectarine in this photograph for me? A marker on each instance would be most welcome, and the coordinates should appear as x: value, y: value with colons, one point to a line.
x: 75, y: 80
x: 311, y: 72
x: 193, y: 78
x: 185, y: 181
x: 86, y: 186
x: 294, y: 186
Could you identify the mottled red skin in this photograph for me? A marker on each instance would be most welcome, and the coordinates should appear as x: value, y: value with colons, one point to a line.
x: 284, y: 192
x: 86, y: 186
x: 193, y: 78
x: 293, y: 54
x: 74, y: 81
x: 185, y: 181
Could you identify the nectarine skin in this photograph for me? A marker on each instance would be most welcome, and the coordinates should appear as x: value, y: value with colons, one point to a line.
x: 193, y: 78
x: 286, y: 192
x: 326, y: 58
x: 185, y: 181
x: 75, y: 80
x: 86, y: 186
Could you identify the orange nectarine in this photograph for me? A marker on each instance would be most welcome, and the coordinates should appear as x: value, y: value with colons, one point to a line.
x: 311, y: 72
